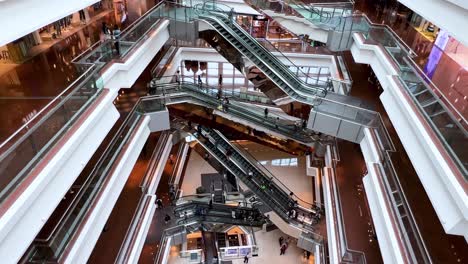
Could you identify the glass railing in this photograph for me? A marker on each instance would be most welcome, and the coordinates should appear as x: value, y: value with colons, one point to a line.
x: 208, y: 97
x: 87, y: 195
x: 446, y: 121
x: 164, y: 241
x: 22, y: 151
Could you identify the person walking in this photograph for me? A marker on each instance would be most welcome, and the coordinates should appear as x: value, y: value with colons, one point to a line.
x: 276, y: 122
x: 167, y: 218
x: 220, y: 80
x: 246, y: 259
x: 159, y: 203
x: 177, y: 76
x: 266, y: 112
x: 116, y: 36
x: 283, y: 249
x: 228, y: 153
x: 200, y: 83
x: 231, y: 17
x: 281, y: 239
x: 82, y: 16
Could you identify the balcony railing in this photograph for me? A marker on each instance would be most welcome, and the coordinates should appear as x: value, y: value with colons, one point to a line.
x: 21, y: 152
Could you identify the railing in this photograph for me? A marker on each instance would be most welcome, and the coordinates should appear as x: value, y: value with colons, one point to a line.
x: 187, y: 90
x: 23, y: 150
x: 154, y: 161
x: 133, y: 229
x: 165, y: 241
x: 346, y: 255
x: 54, y: 247
x: 406, y: 223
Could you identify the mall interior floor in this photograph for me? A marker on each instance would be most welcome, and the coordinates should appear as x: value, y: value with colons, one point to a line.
x: 357, y: 220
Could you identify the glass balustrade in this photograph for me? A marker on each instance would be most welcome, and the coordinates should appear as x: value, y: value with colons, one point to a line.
x: 22, y: 151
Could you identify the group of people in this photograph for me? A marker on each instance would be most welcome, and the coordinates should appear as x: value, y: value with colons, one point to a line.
x: 113, y: 34
x: 284, y: 244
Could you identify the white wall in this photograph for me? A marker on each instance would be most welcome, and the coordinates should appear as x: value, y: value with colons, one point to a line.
x: 21, y: 17
x: 451, y: 15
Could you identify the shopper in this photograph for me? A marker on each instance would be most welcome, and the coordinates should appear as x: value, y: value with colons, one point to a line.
x: 281, y: 239
x: 159, y: 203
x: 276, y: 122
x: 105, y: 29
x: 116, y: 36
x: 228, y: 153
x: 167, y: 218
x: 178, y: 77
x: 200, y: 83
x: 220, y: 80
x: 246, y: 259
x: 283, y: 249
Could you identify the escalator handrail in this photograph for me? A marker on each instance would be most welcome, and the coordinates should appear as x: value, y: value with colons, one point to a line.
x: 296, y: 136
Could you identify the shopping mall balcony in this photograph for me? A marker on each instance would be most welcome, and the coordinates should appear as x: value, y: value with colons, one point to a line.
x: 432, y: 114
x: 63, y: 136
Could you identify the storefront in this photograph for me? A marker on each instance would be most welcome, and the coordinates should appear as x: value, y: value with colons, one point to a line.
x: 426, y: 28
x: 21, y: 49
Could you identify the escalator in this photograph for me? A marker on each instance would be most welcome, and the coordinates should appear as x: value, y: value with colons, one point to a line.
x: 268, y: 63
x: 268, y: 189
x: 206, y: 212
